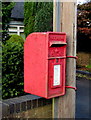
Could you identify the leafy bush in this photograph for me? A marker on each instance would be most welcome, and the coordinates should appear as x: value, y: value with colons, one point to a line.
x: 44, y: 18
x: 6, y: 13
x: 88, y: 66
x: 12, y: 67
x: 16, y: 38
x: 84, y: 27
x: 29, y: 17
x: 38, y: 16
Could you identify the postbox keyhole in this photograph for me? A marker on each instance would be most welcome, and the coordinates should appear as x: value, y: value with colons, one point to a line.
x: 56, y: 60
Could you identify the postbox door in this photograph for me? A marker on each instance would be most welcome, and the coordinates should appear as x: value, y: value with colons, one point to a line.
x: 56, y: 66
x: 56, y: 77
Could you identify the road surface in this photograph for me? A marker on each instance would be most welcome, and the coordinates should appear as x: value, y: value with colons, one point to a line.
x: 83, y: 98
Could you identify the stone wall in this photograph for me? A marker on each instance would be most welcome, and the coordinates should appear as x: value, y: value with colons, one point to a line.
x: 25, y: 107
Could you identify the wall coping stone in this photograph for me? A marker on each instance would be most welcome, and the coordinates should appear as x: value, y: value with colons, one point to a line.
x: 22, y: 103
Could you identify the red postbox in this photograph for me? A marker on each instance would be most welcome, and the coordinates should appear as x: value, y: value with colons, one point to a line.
x: 44, y: 64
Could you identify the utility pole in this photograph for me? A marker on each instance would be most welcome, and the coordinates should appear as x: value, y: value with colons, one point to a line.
x: 64, y: 20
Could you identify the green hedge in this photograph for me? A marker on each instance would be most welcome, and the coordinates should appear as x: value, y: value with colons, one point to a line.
x: 38, y: 16
x: 30, y: 9
x: 12, y: 67
x: 44, y: 18
x: 6, y: 8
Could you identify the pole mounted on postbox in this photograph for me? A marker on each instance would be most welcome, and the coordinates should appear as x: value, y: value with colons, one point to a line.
x: 64, y: 20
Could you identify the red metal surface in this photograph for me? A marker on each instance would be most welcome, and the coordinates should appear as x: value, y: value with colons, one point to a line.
x: 44, y: 55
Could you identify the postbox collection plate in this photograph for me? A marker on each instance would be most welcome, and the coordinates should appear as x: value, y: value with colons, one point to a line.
x: 56, y: 77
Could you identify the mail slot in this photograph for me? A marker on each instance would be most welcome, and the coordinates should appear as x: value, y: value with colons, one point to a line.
x: 44, y: 64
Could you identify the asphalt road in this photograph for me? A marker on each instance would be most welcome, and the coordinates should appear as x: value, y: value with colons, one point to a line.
x: 83, y: 98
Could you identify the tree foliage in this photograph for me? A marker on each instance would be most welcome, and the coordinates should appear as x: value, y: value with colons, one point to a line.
x: 12, y: 67
x: 37, y: 16
x: 44, y: 18
x: 6, y: 13
x: 84, y: 26
x: 29, y: 16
